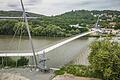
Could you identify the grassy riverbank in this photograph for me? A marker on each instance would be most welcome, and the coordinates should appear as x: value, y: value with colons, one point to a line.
x: 104, y: 62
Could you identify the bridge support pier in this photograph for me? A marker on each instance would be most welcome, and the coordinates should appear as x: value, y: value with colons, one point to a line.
x: 42, y: 62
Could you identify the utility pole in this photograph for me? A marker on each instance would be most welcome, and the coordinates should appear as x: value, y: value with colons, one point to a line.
x: 29, y: 34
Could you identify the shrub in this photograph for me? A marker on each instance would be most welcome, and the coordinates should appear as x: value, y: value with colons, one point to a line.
x: 77, y: 70
x: 105, y: 59
x: 22, y: 61
x: 7, y: 61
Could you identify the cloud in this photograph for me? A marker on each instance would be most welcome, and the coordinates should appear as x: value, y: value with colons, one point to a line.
x: 52, y: 7
x: 108, y: 4
x: 33, y: 2
x: 14, y: 6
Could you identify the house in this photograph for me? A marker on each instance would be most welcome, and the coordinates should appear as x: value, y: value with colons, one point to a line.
x: 109, y: 31
x: 110, y: 16
x: 76, y: 26
x: 112, y: 24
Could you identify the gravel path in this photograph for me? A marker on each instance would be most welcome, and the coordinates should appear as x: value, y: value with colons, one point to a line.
x: 71, y: 77
x: 9, y: 76
x: 24, y: 73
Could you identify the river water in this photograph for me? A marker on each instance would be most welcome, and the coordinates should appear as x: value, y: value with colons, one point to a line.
x: 74, y: 52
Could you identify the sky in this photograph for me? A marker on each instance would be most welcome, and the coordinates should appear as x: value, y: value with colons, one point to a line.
x: 55, y: 7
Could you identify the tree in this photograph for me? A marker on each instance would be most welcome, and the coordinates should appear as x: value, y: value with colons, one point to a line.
x: 105, y: 59
x: 37, y: 30
x: 117, y: 27
x: 21, y: 28
x: 6, y: 27
x: 53, y: 30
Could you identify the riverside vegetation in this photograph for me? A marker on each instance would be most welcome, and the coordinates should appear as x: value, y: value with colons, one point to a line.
x: 104, y: 59
x: 9, y: 62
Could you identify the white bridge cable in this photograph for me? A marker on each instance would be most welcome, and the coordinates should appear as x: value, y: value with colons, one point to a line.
x: 19, y: 43
x: 13, y: 37
x: 20, y: 38
x: 49, y: 48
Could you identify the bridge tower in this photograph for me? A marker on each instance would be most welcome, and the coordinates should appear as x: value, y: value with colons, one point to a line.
x: 96, y: 24
x: 29, y: 34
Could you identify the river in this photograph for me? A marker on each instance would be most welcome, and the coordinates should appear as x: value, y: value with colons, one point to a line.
x: 74, y: 52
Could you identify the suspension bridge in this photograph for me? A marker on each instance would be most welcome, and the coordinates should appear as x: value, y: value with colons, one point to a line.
x: 46, y: 50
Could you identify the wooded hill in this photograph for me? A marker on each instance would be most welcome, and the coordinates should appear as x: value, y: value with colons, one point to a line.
x: 59, y: 25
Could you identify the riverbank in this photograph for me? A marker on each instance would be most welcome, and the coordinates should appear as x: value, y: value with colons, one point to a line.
x: 101, y: 35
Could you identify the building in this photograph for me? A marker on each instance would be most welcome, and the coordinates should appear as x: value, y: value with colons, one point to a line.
x: 76, y: 26
x: 110, y: 31
x: 112, y: 24
x: 110, y: 16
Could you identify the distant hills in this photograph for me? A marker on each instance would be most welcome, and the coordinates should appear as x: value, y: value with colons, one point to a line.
x: 69, y: 14
x: 60, y: 25
x: 18, y: 14
x: 84, y: 18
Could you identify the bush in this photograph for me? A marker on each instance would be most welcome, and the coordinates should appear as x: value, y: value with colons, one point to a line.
x: 77, y: 70
x: 59, y: 72
x: 22, y: 61
x: 105, y: 59
x: 7, y: 61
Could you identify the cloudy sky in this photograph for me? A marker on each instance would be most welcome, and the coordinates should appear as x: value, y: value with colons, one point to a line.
x: 53, y: 7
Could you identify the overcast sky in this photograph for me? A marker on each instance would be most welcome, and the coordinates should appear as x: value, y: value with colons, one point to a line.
x: 53, y: 7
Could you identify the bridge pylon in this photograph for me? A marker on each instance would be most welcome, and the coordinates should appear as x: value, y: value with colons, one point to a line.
x: 96, y: 28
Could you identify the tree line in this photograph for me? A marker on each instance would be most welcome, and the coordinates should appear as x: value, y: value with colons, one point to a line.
x: 10, y: 27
